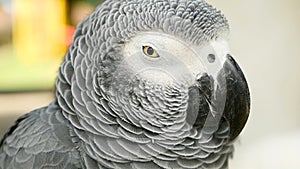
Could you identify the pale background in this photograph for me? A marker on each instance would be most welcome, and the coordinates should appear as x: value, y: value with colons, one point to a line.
x: 265, y: 38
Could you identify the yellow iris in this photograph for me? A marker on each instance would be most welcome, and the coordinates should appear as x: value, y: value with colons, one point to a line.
x: 149, y: 51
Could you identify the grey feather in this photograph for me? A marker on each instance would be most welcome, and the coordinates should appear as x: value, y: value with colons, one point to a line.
x: 40, y: 139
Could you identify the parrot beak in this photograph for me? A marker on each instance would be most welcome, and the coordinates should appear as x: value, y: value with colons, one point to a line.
x: 237, y: 105
x: 221, y: 98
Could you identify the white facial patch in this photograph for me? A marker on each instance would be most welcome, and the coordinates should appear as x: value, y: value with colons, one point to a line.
x: 178, y: 60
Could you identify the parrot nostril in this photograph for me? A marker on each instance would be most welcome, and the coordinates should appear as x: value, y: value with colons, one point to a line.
x: 211, y: 58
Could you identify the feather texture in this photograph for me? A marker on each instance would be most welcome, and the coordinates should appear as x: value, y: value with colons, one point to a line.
x: 40, y: 139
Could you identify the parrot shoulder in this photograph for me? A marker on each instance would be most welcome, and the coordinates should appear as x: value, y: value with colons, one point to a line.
x: 41, y: 138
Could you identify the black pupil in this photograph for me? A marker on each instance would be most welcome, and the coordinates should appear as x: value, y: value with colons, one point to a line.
x: 150, y: 51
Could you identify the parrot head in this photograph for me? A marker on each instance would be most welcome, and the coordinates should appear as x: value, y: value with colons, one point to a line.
x: 163, y: 67
x: 172, y: 68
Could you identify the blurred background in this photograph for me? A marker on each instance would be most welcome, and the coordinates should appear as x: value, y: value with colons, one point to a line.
x: 34, y: 37
x: 265, y: 39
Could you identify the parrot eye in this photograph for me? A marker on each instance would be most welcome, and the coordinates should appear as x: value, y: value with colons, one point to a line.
x: 149, y: 51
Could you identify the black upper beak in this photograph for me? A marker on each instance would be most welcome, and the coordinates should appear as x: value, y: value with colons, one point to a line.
x: 231, y: 98
x: 237, y: 107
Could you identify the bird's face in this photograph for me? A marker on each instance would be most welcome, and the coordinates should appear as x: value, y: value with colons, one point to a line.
x: 167, y: 84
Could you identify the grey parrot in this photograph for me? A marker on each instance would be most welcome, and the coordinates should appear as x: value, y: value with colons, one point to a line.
x: 146, y: 84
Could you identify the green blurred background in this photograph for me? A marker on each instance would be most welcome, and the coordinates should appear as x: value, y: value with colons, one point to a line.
x: 34, y: 36
x: 265, y: 39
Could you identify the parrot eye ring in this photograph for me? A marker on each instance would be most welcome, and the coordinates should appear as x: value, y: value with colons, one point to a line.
x: 149, y: 51
x: 211, y: 58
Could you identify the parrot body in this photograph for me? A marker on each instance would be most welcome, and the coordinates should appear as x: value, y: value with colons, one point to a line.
x: 145, y: 84
x: 40, y: 139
